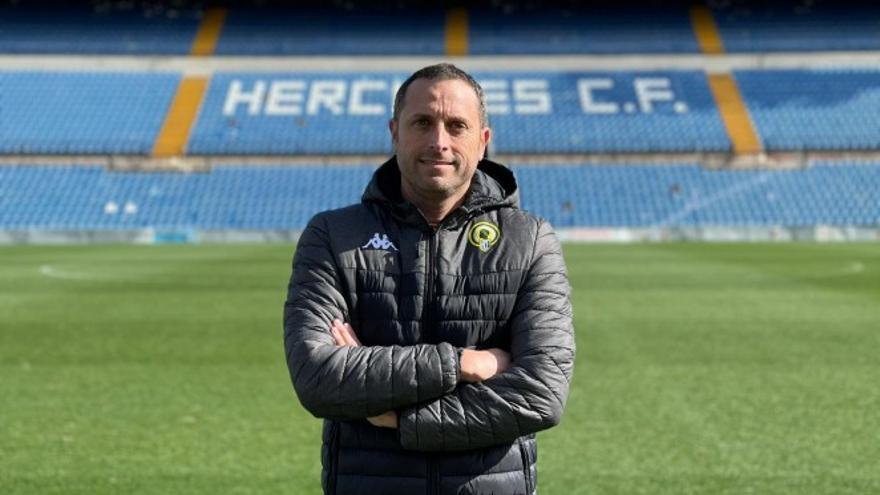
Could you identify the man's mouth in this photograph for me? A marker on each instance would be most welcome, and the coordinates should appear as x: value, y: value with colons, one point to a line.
x: 436, y: 161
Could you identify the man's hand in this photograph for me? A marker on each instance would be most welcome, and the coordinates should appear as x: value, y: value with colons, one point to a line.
x: 387, y: 420
x: 345, y: 336
x: 477, y: 366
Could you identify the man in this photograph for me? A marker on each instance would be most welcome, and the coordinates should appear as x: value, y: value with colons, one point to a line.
x: 430, y: 325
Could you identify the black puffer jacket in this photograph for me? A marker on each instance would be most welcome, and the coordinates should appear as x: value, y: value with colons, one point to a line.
x: 414, y: 297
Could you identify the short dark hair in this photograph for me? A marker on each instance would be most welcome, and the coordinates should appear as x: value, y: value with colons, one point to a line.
x: 442, y: 72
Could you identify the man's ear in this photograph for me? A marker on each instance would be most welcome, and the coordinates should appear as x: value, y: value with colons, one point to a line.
x: 485, y: 137
x: 392, y: 126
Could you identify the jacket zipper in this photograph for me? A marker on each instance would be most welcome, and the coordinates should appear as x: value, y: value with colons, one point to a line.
x: 427, y: 323
x: 428, y: 326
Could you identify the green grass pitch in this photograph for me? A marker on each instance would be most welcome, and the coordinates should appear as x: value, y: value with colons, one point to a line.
x: 702, y: 369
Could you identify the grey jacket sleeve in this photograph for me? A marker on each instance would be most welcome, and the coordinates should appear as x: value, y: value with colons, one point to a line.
x: 530, y: 395
x: 350, y: 382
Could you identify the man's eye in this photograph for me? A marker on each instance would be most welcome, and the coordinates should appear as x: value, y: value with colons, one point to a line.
x: 422, y: 122
x: 458, y: 126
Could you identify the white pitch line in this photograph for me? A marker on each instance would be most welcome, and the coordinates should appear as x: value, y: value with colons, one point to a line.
x: 855, y: 267
x: 48, y: 271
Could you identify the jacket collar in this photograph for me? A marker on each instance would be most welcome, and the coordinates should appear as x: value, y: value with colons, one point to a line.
x: 493, y: 186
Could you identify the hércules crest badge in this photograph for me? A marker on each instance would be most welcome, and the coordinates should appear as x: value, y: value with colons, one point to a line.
x: 484, y: 235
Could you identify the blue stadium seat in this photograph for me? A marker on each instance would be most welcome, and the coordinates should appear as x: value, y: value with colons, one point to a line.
x: 83, y: 112
x: 285, y: 197
x: 365, y: 30
x: 797, y: 26
x: 111, y: 28
x: 531, y: 112
x: 506, y: 29
x: 389, y: 29
x: 347, y: 113
x: 828, y: 109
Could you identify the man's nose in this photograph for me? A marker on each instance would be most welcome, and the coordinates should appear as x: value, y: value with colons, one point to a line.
x: 439, y: 138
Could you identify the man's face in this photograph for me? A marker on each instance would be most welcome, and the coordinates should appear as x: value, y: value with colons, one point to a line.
x: 439, y: 139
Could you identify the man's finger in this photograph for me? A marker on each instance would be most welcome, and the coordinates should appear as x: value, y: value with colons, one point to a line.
x: 386, y: 420
x: 334, y: 331
x: 343, y: 334
x: 353, y: 335
x: 348, y: 334
x: 337, y: 329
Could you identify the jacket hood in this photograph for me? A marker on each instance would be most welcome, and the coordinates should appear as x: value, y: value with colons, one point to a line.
x: 493, y: 186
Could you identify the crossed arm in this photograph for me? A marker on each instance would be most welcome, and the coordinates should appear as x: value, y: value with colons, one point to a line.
x: 348, y: 382
x: 436, y: 401
x: 475, y: 366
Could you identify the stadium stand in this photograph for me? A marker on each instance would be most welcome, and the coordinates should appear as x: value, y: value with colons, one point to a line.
x: 541, y: 29
x: 369, y: 30
x: 531, y: 112
x: 535, y: 112
x: 214, y: 113
x: 690, y: 195
x: 111, y: 28
x: 285, y: 197
x: 266, y: 113
x: 82, y: 112
x: 829, y: 109
x: 797, y: 26
x: 592, y: 112
x: 387, y: 28
x: 492, y: 29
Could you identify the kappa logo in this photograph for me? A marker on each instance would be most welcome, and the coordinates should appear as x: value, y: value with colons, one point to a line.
x: 377, y: 242
x: 484, y: 235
